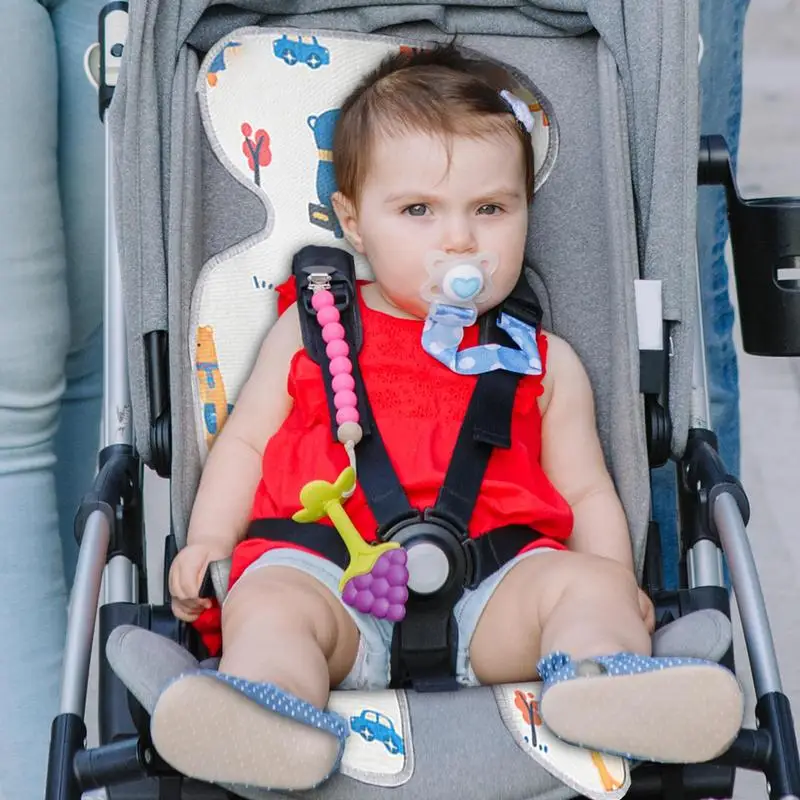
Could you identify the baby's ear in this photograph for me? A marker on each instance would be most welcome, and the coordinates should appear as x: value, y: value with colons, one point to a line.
x: 348, y: 218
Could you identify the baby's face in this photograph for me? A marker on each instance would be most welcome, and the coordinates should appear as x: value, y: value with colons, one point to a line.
x: 413, y: 202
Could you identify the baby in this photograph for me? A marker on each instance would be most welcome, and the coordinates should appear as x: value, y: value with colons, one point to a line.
x: 433, y: 155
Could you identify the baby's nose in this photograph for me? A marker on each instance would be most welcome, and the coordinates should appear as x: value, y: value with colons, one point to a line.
x: 459, y: 237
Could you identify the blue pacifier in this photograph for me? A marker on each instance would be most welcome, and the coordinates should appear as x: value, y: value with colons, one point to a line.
x: 455, y: 287
x: 462, y: 280
x: 462, y: 283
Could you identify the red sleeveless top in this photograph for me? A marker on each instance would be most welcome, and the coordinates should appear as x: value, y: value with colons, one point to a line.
x: 418, y: 405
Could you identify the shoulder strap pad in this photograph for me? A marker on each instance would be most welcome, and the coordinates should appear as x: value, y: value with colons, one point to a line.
x: 522, y: 304
x: 334, y: 266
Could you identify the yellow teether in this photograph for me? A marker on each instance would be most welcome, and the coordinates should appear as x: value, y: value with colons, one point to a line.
x: 323, y: 499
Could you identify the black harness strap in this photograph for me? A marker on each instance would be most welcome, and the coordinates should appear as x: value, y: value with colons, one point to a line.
x: 495, y: 549
x: 488, y: 421
x: 487, y: 425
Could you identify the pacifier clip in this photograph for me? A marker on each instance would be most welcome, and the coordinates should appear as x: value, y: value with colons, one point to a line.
x: 376, y: 579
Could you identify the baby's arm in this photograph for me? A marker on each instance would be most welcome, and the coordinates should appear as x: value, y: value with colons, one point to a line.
x: 573, y: 459
x: 224, y: 498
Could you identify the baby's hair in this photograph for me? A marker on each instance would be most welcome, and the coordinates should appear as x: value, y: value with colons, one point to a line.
x: 433, y: 90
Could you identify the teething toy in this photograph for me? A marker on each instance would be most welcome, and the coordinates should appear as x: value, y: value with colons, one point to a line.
x: 376, y: 580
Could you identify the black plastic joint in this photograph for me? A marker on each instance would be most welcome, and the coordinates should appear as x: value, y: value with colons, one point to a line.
x: 658, y: 428
x: 161, y: 445
x: 116, y: 494
x: 114, y: 483
x: 118, y: 762
x: 706, y: 477
x: 713, y: 163
x: 156, y: 345
x: 67, y: 735
x: 750, y: 750
x: 774, y: 714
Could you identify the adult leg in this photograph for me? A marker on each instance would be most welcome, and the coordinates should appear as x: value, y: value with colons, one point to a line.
x: 602, y: 690
x: 34, y: 331
x: 290, y: 640
x: 81, y: 178
x: 77, y: 440
x: 722, y: 31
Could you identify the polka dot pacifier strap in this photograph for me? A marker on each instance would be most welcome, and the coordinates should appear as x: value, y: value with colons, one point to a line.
x: 454, y: 287
x: 444, y: 330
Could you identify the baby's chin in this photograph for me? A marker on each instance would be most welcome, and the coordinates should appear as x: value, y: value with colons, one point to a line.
x: 410, y: 307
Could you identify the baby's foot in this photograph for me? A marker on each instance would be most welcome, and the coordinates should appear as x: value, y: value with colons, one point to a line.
x: 670, y: 710
x: 223, y: 729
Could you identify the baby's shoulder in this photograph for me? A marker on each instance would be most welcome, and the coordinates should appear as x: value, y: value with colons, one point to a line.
x: 279, y: 346
x: 286, y: 333
x: 563, y: 368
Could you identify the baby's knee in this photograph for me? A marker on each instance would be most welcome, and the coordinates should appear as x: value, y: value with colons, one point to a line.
x: 585, y: 577
x: 596, y: 572
x: 281, y: 598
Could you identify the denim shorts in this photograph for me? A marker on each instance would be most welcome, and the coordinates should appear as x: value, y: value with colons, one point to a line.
x: 372, y: 665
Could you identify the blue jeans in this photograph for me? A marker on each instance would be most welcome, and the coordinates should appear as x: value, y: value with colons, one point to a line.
x: 51, y: 256
x: 722, y: 29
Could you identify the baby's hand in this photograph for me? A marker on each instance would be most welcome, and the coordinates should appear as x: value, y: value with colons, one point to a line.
x: 186, y: 576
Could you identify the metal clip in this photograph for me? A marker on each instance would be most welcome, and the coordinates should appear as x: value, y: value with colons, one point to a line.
x: 318, y: 281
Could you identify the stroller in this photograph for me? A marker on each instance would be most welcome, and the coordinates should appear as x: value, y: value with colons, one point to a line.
x: 202, y: 223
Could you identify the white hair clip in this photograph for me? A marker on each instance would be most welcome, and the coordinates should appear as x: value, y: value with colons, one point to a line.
x: 519, y: 109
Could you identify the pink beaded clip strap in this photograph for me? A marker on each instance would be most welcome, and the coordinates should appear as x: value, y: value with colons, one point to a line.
x: 341, y: 368
x: 383, y: 591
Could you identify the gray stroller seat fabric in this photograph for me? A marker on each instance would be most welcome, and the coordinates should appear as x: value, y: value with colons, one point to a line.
x: 578, y: 79
x: 146, y: 663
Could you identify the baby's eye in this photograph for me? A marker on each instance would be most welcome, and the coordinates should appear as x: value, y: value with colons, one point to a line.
x: 417, y: 210
x: 489, y: 209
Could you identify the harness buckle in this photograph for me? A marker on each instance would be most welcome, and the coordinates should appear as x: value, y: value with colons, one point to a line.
x: 442, y: 559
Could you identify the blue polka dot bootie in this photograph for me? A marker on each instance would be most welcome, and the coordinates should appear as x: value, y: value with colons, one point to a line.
x: 668, y: 710
x: 226, y: 730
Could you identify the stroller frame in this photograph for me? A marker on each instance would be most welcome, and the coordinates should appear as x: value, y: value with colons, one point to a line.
x: 714, y: 511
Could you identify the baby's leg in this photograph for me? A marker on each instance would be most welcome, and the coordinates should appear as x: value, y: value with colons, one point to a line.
x: 287, y: 635
x: 577, y: 604
x: 601, y: 688
x: 282, y: 626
